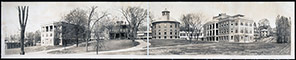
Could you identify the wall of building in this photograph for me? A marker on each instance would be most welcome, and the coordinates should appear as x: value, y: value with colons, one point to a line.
x: 229, y: 29
x: 165, y: 30
x: 60, y: 33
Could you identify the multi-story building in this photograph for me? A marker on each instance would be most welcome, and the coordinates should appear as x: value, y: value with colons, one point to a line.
x: 235, y: 28
x: 165, y: 27
x: 229, y: 29
x: 119, y: 31
x: 256, y: 31
x: 210, y: 31
x: 60, y: 33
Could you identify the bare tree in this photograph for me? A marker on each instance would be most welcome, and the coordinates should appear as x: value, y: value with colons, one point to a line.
x: 37, y: 37
x: 193, y: 23
x: 29, y: 39
x: 283, y: 29
x: 134, y: 16
x: 264, y: 24
x: 100, y: 30
x: 77, y: 17
x: 93, y: 16
x: 23, y: 18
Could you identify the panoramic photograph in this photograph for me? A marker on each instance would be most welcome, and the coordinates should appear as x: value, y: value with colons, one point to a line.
x: 147, y: 29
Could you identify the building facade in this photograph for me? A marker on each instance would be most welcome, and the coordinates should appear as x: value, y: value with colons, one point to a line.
x: 256, y: 31
x: 186, y: 35
x: 264, y: 33
x: 165, y: 27
x: 60, y: 33
x: 119, y: 31
x: 227, y: 28
x: 210, y: 31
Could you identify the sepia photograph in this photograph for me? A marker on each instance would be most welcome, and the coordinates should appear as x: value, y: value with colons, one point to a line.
x: 187, y: 30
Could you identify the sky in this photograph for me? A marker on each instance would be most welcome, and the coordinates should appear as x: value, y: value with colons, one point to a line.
x: 41, y: 13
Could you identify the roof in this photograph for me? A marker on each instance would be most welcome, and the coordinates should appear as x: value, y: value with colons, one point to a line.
x: 163, y: 19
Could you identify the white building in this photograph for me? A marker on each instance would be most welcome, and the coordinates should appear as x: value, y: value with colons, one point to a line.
x: 59, y: 33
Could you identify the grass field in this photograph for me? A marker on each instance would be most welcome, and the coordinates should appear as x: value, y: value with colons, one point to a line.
x: 106, y: 45
x: 226, y: 49
x: 182, y: 47
x: 30, y: 49
x: 173, y: 42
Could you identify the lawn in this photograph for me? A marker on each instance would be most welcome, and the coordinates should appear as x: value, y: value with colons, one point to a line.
x: 182, y: 47
x: 106, y: 45
x: 30, y: 49
x: 226, y: 49
x: 173, y: 42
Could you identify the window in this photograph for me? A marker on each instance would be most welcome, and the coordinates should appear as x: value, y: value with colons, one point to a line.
x: 231, y: 37
x: 171, y: 26
x: 171, y: 33
x: 231, y: 24
x: 159, y: 37
x: 50, y: 35
x: 236, y: 24
x: 159, y: 33
x: 216, y: 32
x: 164, y: 37
x: 254, y: 24
x: 242, y: 37
x: 210, y: 26
x: 241, y: 31
x: 46, y: 28
x: 164, y: 33
x: 171, y: 37
x: 51, y: 27
x: 216, y: 25
x: 236, y: 31
x: 246, y: 24
x: 159, y: 26
x: 242, y: 23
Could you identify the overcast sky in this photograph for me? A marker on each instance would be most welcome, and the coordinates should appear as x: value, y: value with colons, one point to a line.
x: 41, y: 13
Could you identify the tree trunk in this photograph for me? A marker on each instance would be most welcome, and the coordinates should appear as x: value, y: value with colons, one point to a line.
x: 97, y: 49
x: 77, y: 42
x: 22, y: 40
x: 134, y: 36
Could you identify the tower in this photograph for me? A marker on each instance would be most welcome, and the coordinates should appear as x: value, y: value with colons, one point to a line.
x: 166, y: 14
